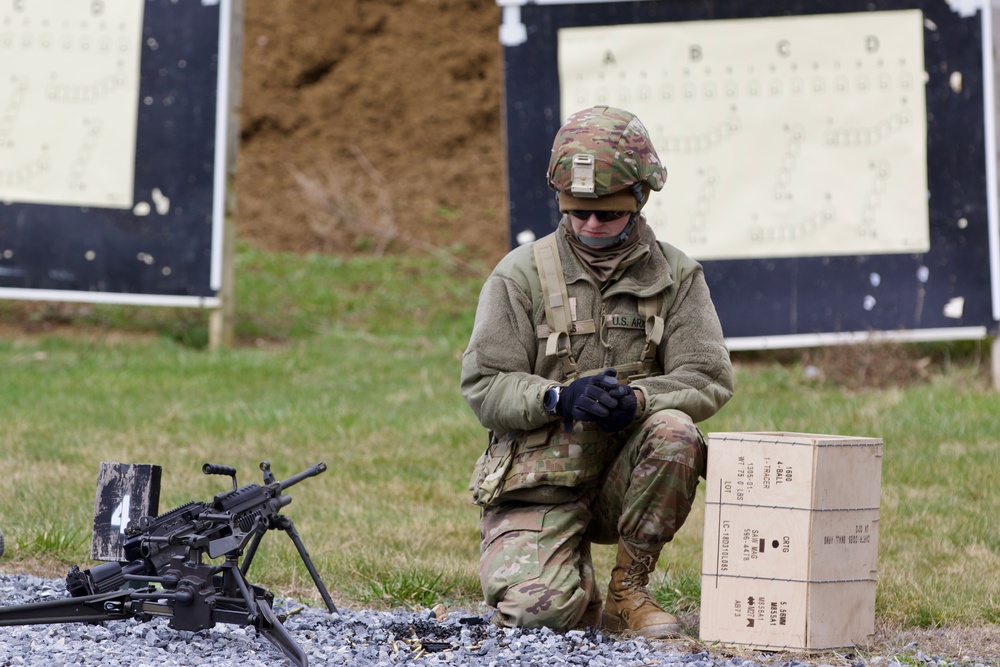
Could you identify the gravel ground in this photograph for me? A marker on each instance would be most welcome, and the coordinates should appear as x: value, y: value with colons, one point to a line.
x: 361, y: 638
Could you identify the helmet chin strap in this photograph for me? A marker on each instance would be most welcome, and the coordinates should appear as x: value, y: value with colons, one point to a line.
x: 609, y: 241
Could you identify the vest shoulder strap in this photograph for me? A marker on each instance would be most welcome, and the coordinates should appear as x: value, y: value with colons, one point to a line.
x: 555, y: 298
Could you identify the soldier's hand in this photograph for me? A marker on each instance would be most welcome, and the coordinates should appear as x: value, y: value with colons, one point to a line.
x: 620, y: 416
x: 589, y: 398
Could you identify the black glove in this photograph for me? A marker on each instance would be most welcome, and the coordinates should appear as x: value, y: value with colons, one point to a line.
x: 621, y: 415
x: 589, y: 399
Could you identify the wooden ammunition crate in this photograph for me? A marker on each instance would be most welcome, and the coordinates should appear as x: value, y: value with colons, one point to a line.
x: 791, y: 540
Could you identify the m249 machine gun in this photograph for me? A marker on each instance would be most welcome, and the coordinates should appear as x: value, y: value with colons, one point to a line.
x: 166, y: 573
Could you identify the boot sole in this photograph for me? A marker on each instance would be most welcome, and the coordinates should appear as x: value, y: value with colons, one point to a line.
x: 619, y: 626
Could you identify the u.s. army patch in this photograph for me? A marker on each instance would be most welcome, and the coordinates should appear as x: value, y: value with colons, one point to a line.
x: 615, y: 321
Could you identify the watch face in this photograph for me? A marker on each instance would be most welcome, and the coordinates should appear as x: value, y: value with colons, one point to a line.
x: 551, y: 399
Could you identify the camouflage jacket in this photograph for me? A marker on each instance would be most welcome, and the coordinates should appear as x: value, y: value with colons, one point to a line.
x: 505, y: 370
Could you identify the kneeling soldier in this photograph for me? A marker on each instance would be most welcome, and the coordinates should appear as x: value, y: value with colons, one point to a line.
x: 595, y: 351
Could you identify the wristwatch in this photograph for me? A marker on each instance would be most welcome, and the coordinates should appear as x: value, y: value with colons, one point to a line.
x: 550, y: 402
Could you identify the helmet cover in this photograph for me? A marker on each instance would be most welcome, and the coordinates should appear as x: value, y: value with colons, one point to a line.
x: 603, y: 150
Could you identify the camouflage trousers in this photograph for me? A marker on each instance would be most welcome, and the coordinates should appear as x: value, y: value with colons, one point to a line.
x: 535, y: 565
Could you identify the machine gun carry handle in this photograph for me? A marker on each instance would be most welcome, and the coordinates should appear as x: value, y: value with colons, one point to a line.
x: 216, y: 469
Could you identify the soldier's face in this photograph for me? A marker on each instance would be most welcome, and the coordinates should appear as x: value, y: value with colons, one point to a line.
x: 594, y: 228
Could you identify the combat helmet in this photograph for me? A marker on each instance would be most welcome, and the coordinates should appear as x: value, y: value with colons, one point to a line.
x: 603, y: 159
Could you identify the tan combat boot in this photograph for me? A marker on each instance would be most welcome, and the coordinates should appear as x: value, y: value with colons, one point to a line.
x: 630, y: 607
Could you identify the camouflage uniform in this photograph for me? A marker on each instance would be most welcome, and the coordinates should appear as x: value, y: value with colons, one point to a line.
x: 548, y: 488
x: 535, y: 567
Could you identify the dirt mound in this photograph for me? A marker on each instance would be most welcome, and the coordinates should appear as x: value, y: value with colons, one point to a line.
x: 363, y: 120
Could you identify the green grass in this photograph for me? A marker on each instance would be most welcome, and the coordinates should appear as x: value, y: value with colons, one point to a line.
x: 355, y: 362
x: 412, y: 590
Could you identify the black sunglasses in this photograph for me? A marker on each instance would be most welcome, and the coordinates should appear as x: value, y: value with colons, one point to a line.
x: 602, y: 216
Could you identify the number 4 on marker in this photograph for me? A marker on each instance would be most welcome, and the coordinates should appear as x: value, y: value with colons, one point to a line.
x: 119, y: 518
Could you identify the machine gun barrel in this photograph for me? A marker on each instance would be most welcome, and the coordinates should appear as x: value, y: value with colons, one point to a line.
x: 305, y: 474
